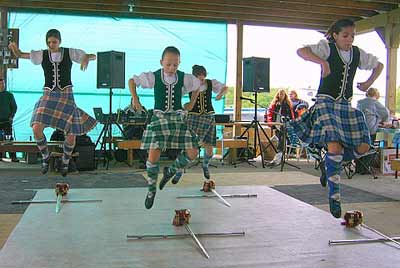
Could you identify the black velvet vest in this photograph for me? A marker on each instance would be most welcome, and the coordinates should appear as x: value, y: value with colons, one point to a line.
x: 203, y: 103
x: 339, y: 83
x: 57, y: 74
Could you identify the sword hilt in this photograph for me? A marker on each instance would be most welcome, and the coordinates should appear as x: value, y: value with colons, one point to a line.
x: 353, y: 218
x: 208, y: 185
x: 62, y: 189
x: 182, y: 217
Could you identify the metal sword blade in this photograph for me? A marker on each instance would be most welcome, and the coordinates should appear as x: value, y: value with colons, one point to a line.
x: 58, y: 204
x: 221, y: 198
x: 196, y: 240
x: 165, y: 236
x: 379, y: 233
x: 360, y: 241
x: 223, y: 195
x: 54, y: 201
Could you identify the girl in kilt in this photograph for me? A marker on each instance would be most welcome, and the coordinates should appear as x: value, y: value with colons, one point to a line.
x: 201, y: 119
x: 332, y: 122
x: 167, y: 129
x: 57, y: 108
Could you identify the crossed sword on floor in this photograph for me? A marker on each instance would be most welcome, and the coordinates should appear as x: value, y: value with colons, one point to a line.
x: 61, y: 190
x: 182, y: 218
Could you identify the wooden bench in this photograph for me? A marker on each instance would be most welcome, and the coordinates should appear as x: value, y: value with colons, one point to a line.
x: 129, y: 145
x: 228, y: 143
x: 232, y: 144
x: 28, y: 147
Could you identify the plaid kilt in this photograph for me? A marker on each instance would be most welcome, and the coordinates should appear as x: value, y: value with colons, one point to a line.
x: 57, y: 109
x: 204, y: 126
x: 168, y: 131
x: 332, y: 121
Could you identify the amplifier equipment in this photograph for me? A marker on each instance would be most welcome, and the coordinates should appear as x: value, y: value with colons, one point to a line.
x: 222, y: 118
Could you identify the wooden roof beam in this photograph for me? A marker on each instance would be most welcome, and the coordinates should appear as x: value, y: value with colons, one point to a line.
x: 369, y: 24
x: 172, y: 16
x: 268, y: 5
x: 249, y: 11
x: 392, y: 2
x: 222, y: 16
x: 184, y: 14
x: 256, y: 4
x: 364, y: 5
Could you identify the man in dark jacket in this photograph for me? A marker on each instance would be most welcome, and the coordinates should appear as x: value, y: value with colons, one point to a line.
x: 8, y: 108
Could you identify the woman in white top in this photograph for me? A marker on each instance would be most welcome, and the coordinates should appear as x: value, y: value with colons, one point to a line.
x: 332, y: 122
x: 57, y: 108
x: 167, y: 129
x: 201, y: 119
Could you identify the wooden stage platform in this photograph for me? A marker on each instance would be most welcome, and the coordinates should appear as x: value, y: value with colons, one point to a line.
x: 280, y: 232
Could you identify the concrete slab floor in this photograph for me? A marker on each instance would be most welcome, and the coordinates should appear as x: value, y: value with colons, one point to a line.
x: 280, y: 232
x: 382, y: 216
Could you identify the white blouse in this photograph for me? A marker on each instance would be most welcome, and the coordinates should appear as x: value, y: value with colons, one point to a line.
x: 147, y: 80
x: 76, y: 55
x: 322, y: 50
x: 216, y: 86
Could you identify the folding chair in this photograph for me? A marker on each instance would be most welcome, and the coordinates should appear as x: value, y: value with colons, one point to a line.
x: 368, y: 161
x: 295, y: 144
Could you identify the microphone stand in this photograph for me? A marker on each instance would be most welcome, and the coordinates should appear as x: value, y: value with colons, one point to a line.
x: 283, y: 141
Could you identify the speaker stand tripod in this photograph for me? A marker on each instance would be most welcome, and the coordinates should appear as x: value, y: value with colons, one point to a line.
x: 257, y: 127
x: 106, y: 135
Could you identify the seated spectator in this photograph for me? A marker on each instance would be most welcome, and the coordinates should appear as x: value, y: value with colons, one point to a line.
x: 280, y: 109
x: 8, y: 108
x: 299, y: 105
x: 375, y: 113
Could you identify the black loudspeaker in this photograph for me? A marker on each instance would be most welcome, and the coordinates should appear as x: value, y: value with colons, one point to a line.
x: 256, y: 74
x: 86, y: 149
x: 110, y: 69
x: 86, y: 159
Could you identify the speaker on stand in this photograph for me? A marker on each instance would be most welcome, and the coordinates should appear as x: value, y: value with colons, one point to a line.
x: 110, y: 74
x: 256, y: 79
x: 256, y: 75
